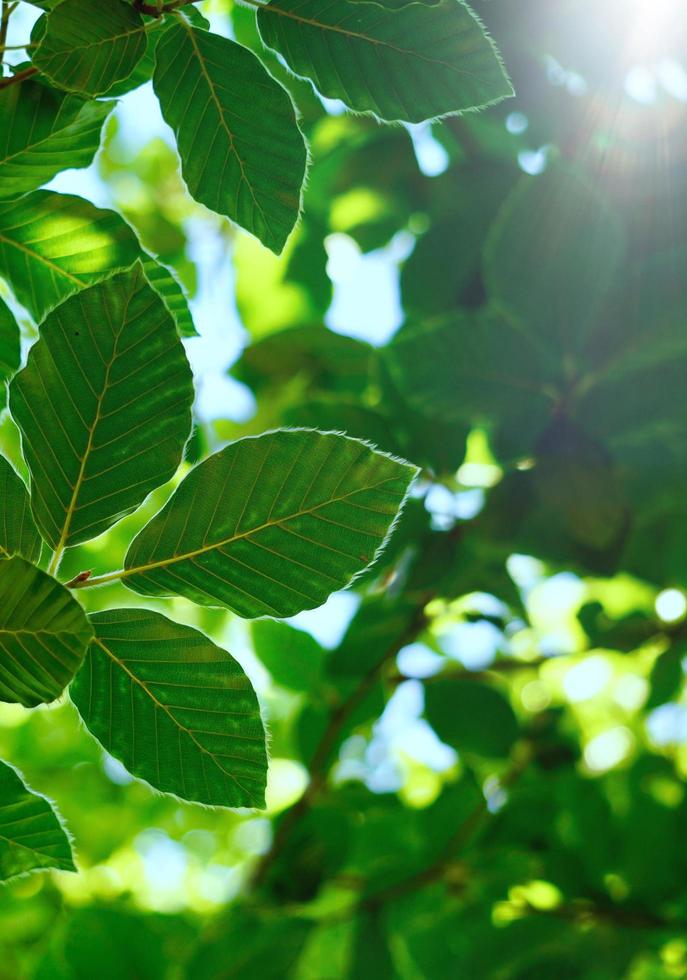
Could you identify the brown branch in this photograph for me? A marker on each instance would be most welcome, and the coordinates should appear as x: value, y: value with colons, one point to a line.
x: 463, y: 836
x: 7, y: 11
x: 319, y: 764
x: 19, y: 77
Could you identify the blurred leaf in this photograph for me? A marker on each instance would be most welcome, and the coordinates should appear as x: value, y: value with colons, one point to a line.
x: 104, y: 406
x: 138, y: 693
x: 471, y: 716
x: 231, y: 177
x: 551, y: 258
x: 293, y: 658
x: 414, y: 63
x: 667, y: 677
x: 31, y: 835
x: 44, y: 634
x: 276, y: 545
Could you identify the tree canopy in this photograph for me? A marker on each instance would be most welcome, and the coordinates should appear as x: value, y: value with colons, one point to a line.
x: 343, y: 441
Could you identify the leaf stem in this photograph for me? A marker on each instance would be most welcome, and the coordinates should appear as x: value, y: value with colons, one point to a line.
x: 5, y: 14
x: 19, y: 77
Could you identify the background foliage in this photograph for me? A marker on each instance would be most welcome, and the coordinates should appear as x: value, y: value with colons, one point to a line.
x: 477, y: 757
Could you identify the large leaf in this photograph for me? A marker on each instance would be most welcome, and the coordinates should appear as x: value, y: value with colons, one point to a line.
x: 271, y: 525
x: 219, y: 99
x: 414, y: 63
x: 18, y: 533
x: 43, y: 132
x: 31, y: 835
x: 177, y: 710
x: 44, y: 634
x: 552, y: 256
x: 10, y: 349
x: 53, y: 245
x: 84, y: 50
x: 104, y: 407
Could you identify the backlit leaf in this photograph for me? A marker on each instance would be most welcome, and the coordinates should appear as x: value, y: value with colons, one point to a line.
x: 31, y: 835
x: 84, y: 50
x: 104, y: 407
x: 18, y: 533
x: 43, y: 132
x: 216, y: 94
x: 414, y: 63
x: 174, y: 708
x: 271, y: 525
x: 44, y: 634
x: 53, y: 245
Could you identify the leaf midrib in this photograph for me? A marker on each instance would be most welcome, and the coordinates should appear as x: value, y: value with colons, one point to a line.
x: 31, y: 147
x: 71, y: 509
x: 225, y: 125
x: 163, y: 563
x: 163, y: 707
x: 12, y: 243
x: 378, y: 42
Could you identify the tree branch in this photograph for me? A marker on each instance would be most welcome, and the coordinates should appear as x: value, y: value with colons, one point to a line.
x: 319, y: 764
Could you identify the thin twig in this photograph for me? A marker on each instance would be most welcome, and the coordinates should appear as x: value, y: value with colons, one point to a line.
x: 19, y: 77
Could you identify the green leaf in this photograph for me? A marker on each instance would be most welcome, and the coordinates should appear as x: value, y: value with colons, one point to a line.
x: 174, y: 708
x: 271, y: 525
x: 53, y: 245
x: 18, y: 533
x: 43, y: 132
x: 44, y: 634
x: 293, y: 657
x: 551, y: 257
x: 411, y: 64
x: 31, y: 835
x: 216, y: 94
x: 87, y: 50
x: 171, y: 292
x: 104, y: 407
x: 471, y: 716
x: 10, y: 349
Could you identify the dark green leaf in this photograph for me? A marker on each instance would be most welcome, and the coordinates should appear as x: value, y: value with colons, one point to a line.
x: 43, y: 132
x: 415, y: 63
x: 104, y: 407
x: 31, y: 835
x: 18, y: 533
x: 10, y: 349
x: 177, y: 710
x: 271, y: 526
x: 551, y: 258
x: 83, y: 50
x: 167, y: 286
x: 44, y: 634
x: 293, y: 658
x: 253, y: 164
x: 471, y: 716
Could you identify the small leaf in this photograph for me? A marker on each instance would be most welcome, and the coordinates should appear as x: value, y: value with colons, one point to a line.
x: 43, y: 132
x: 174, y: 708
x: 171, y: 292
x: 241, y: 151
x: 271, y: 525
x: 87, y: 50
x: 414, y: 63
x: 44, y: 634
x: 53, y: 245
x: 31, y: 835
x: 104, y: 407
x: 18, y: 533
x: 293, y: 658
x: 471, y: 716
x: 10, y: 349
